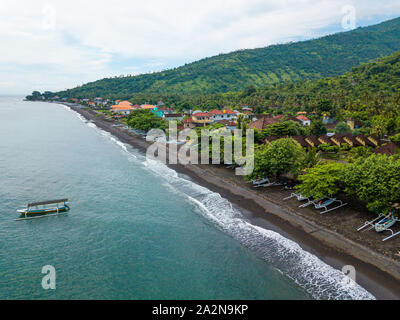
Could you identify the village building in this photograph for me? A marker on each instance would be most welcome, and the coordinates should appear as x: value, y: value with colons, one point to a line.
x: 313, y: 141
x: 226, y: 114
x: 304, y: 120
x: 263, y: 121
x: 364, y: 141
x: 339, y: 139
x: 326, y: 140
x: 374, y: 139
x: 327, y: 119
x: 188, y: 123
x: 388, y: 149
x: 147, y: 107
x: 173, y: 117
x: 122, y: 108
x: 245, y: 107
x: 351, y: 141
x: 202, y: 119
x: 229, y: 125
x: 166, y: 110
x: 299, y: 140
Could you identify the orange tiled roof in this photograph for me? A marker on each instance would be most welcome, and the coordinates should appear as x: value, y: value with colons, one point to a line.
x: 215, y: 111
x: 147, y: 106
x: 229, y: 111
x: 389, y: 149
x: 122, y: 107
x: 125, y: 103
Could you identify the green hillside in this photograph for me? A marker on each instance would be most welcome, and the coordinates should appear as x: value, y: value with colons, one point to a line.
x: 369, y: 92
x: 328, y: 56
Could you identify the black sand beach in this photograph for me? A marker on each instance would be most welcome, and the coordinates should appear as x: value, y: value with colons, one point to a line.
x: 331, y: 237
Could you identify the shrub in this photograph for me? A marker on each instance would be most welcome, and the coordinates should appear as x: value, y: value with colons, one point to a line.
x: 375, y: 179
x: 321, y: 181
x: 280, y: 157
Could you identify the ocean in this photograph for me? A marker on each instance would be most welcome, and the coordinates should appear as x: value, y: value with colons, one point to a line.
x: 136, y: 228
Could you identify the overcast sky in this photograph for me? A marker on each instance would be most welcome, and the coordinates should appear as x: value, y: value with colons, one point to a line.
x: 59, y: 44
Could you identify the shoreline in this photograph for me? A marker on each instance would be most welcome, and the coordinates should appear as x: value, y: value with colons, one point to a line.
x: 377, y: 273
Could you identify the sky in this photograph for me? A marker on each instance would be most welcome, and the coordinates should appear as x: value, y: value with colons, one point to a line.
x: 58, y: 44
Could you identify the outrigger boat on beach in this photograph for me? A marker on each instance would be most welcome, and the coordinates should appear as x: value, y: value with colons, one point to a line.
x: 371, y: 223
x: 42, y: 209
x: 385, y: 224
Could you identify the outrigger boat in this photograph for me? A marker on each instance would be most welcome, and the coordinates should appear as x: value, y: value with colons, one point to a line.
x: 43, y: 209
x: 299, y: 197
x: 371, y: 223
x: 385, y: 224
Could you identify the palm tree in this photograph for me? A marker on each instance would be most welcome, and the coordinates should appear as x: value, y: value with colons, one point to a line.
x: 311, y: 158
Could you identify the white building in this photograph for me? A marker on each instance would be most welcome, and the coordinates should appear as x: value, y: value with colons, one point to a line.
x: 227, y: 114
x: 304, y: 120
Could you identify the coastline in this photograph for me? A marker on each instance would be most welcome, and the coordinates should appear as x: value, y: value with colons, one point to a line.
x: 377, y: 273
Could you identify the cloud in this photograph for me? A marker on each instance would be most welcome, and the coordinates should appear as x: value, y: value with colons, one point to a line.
x: 58, y: 44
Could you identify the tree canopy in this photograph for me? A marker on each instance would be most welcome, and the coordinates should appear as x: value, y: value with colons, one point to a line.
x: 145, y: 120
x: 247, y: 70
x: 280, y: 157
x: 375, y: 179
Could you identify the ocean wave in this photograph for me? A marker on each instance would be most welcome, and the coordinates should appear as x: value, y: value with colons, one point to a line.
x: 105, y: 134
x: 319, y: 279
x: 316, y: 277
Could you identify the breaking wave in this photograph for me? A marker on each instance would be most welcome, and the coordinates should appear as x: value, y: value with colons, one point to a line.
x: 316, y: 277
x: 319, y: 279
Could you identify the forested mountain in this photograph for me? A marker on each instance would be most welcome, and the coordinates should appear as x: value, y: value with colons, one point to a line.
x: 325, y: 57
x: 367, y: 90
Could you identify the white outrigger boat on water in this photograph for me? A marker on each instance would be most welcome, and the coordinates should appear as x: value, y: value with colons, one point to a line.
x: 43, y: 209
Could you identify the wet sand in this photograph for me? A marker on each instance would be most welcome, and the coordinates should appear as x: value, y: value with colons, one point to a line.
x: 332, y: 237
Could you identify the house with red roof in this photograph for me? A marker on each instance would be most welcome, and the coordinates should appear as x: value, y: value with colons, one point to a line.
x: 304, y: 120
x: 202, y: 119
x: 263, y: 121
x: 226, y: 114
x: 188, y: 123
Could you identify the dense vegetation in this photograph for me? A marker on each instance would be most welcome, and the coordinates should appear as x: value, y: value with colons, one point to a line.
x: 372, y: 178
x: 145, y: 120
x: 328, y: 56
x: 370, y: 93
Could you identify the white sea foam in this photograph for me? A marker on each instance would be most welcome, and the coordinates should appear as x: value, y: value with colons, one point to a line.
x: 319, y: 279
x: 107, y: 135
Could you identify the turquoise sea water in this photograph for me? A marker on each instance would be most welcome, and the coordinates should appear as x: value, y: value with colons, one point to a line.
x: 136, y: 229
